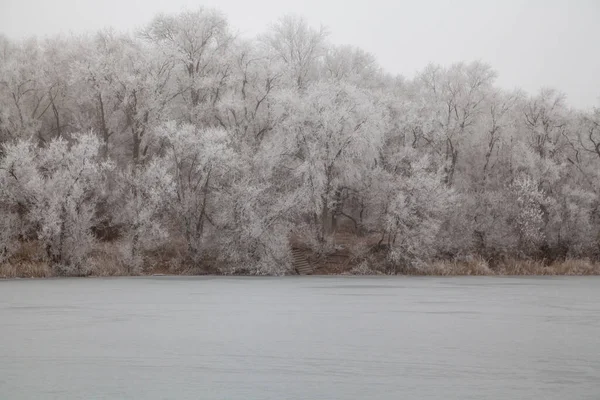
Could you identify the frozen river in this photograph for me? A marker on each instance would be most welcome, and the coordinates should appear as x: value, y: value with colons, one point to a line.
x: 300, y: 338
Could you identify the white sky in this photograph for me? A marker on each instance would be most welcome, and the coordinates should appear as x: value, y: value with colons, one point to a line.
x: 531, y: 43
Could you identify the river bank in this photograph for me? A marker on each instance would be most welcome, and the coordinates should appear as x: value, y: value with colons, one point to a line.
x: 470, y: 267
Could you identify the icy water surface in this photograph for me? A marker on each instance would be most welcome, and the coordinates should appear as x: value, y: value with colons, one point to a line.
x: 300, y: 338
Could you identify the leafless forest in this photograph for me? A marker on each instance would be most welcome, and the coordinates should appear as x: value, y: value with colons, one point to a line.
x: 185, y: 148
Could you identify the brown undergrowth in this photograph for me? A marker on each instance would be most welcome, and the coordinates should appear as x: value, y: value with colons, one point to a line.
x: 107, y: 259
x: 477, y: 266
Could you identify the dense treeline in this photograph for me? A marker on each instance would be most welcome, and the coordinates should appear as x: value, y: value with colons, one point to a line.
x: 186, y: 144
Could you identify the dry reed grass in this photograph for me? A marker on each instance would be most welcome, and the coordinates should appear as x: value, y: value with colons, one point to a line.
x: 477, y: 266
x: 28, y: 261
x: 107, y: 259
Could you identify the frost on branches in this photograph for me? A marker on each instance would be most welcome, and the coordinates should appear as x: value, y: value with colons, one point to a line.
x: 54, y: 192
x: 184, y: 148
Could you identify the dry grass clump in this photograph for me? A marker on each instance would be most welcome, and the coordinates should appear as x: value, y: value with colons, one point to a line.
x: 478, y: 266
x: 521, y: 267
x: 28, y: 261
x: 472, y: 266
x: 363, y: 269
x: 112, y: 259
x: 574, y: 267
x: 107, y: 260
x: 25, y: 269
x: 535, y: 267
x: 164, y: 258
x: 171, y: 258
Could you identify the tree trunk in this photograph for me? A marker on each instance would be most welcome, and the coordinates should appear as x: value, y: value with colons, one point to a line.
x: 105, y: 130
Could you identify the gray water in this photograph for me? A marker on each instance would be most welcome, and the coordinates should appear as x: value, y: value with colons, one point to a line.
x: 300, y: 338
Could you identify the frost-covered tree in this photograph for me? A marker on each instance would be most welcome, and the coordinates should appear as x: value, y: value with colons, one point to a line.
x: 255, y: 235
x: 450, y: 102
x: 225, y: 152
x: 546, y: 121
x: 410, y: 203
x: 530, y: 216
x: 198, y: 44
x: 203, y: 165
x: 55, y: 190
x: 245, y: 105
x: 94, y: 75
x: 297, y: 47
x: 329, y: 136
x: 147, y: 192
x: 351, y: 64
x: 24, y: 97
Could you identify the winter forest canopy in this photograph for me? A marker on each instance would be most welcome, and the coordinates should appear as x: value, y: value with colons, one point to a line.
x: 185, y: 145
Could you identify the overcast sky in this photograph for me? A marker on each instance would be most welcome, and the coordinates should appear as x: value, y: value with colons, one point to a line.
x: 530, y: 43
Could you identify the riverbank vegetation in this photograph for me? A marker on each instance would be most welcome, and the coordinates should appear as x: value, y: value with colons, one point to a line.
x: 184, y: 148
